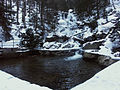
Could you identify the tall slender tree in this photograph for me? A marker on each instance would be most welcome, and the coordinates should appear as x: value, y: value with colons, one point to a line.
x: 97, y: 7
x: 17, y: 2
x: 24, y: 13
x: 4, y: 23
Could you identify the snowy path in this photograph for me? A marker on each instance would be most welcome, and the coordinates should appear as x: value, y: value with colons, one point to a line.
x: 9, y: 82
x: 107, y: 79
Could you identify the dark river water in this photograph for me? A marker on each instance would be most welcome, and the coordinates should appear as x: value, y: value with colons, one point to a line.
x: 57, y: 73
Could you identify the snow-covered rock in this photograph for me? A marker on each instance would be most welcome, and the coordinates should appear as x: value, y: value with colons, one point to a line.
x: 59, y: 45
x: 104, y: 28
x: 108, y: 31
x: 93, y: 45
x: 95, y: 56
x: 87, y: 32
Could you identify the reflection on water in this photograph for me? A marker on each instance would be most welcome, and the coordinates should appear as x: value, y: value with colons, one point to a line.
x: 53, y: 72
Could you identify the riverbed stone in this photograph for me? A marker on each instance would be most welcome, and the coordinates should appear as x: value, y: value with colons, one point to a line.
x: 87, y: 55
x: 100, y: 59
x: 105, y: 60
x: 93, y: 45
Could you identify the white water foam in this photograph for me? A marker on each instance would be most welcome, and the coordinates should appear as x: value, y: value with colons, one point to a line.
x: 74, y: 57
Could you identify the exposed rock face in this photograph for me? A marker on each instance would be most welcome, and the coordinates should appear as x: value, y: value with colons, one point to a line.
x: 89, y: 56
x: 58, y: 39
x: 115, y: 38
x: 58, y: 52
x: 105, y: 60
x: 93, y: 45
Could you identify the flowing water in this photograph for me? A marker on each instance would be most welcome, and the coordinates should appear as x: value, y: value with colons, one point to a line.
x: 57, y: 73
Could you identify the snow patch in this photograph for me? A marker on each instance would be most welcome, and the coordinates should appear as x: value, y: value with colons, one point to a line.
x: 105, y: 28
x: 107, y: 79
x: 87, y: 32
x: 9, y: 82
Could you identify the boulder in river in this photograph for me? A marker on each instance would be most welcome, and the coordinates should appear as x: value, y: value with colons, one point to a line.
x: 101, y: 59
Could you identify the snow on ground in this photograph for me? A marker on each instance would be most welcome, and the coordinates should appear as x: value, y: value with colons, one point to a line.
x: 106, y: 49
x: 11, y: 44
x: 87, y: 32
x: 107, y: 79
x: 115, y: 4
x: 9, y: 82
x: 105, y: 52
x: 104, y: 28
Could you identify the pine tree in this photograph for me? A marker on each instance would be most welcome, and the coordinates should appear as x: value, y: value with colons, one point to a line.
x: 4, y: 22
x: 30, y: 39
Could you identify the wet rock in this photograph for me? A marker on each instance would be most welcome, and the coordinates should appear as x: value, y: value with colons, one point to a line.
x: 81, y: 41
x: 105, y: 60
x: 89, y: 56
x: 117, y: 54
x: 57, y: 38
x: 93, y: 45
x: 100, y: 59
x: 115, y: 39
x: 58, y: 52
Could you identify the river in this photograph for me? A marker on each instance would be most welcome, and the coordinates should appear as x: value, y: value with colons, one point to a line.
x: 57, y: 73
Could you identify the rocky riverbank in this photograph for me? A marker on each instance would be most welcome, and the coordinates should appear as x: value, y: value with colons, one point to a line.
x: 16, y: 52
x: 103, y: 60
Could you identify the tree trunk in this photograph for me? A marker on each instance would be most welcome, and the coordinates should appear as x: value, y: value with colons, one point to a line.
x: 36, y: 18
x: 24, y: 13
x: 17, y: 12
x: 98, y: 9
x: 113, y: 4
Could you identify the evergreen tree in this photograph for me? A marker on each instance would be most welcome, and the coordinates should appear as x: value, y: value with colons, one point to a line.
x: 31, y: 39
x: 4, y: 22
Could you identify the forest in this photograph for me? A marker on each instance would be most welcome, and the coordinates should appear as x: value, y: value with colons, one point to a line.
x: 55, y: 24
